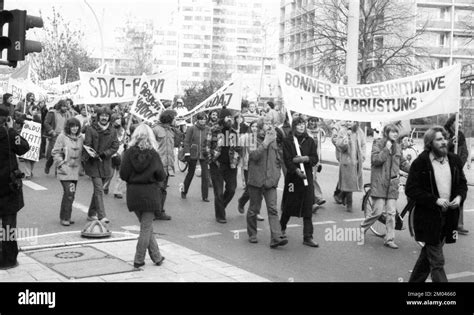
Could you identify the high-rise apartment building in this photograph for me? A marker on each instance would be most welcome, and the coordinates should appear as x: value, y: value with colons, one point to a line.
x: 211, y: 39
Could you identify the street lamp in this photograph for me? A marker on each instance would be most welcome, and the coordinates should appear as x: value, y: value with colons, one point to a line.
x: 100, y: 30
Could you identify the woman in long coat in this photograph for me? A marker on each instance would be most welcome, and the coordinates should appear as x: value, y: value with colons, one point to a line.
x: 351, y: 143
x: 143, y: 171
x: 298, y: 199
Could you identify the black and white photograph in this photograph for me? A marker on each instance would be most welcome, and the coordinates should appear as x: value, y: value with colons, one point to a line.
x: 243, y: 145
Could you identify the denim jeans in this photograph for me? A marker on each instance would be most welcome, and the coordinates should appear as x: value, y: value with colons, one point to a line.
x: 390, y: 208
x: 204, y: 177
x: 307, y: 225
x: 9, y: 247
x: 222, y: 198
x: 270, y: 195
x: 69, y: 192
x: 431, y: 259
x: 97, y: 202
x: 146, y: 239
x: 245, y: 196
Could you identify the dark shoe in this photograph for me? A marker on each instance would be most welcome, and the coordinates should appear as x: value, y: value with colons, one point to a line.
x: 240, y: 208
x: 337, y: 199
x: 71, y: 222
x: 205, y: 200
x: 260, y: 218
x: 283, y: 234
x: 136, y: 265
x: 253, y: 240
x: 9, y: 266
x: 310, y: 243
x: 462, y: 231
x: 118, y: 196
x: 106, y: 191
x: 160, y: 262
x: 163, y: 217
x: 221, y: 220
x: 46, y: 170
x: 281, y: 242
x: 65, y: 223
x: 183, y: 195
x: 321, y: 202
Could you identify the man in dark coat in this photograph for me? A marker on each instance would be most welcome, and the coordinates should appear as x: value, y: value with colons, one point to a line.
x: 194, y: 151
x: 298, y: 199
x: 437, y: 184
x: 101, y: 136
x: 11, y: 196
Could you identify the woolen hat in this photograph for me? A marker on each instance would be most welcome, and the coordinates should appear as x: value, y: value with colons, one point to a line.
x: 224, y: 113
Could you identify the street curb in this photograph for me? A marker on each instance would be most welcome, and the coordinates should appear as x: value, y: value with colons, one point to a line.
x: 68, y: 244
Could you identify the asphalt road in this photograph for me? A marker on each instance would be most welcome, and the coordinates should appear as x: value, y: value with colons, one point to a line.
x: 193, y: 225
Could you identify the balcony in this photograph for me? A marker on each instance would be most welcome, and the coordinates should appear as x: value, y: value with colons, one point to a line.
x: 441, y: 25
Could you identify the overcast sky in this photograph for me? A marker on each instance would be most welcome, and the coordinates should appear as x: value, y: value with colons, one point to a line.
x: 110, y: 12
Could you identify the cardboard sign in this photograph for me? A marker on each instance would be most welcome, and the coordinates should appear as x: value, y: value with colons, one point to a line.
x: 32, y: 133
x: 427, y: 94
x: 99, y: 88
x: 146, y: 105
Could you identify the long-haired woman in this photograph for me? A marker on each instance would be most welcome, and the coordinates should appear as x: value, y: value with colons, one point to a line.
x: 67, y: 153
x: 142, y: 169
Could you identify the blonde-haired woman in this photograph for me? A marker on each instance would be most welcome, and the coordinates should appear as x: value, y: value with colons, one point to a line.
x: 142, y: 169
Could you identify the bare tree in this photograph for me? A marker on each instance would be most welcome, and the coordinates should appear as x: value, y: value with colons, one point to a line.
x: 387, y: 39
x: 63, y: 52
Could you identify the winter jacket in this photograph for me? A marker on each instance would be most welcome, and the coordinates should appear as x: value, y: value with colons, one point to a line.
x: 103, y: 142
x: 195, y: 142
x: 165, y: 136
x: 386, y: 165
x: 220, y: 142
x: 49, y: 126
x: 142, y: 170
x: 67, y: 153
x: 352, y: 156
x: 298, y: 199
x: 264, y: 165
x: 10, y: 201
x: 421, y: 187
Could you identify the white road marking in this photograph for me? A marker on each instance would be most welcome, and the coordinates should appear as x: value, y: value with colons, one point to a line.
x: 323, y: 222
x: 468, y: 210
x: 451, y: 276
x: 353, y: 220
x: 204, y: 235
x: 292, y: 225
x: 33, y: 186
x: 81, y: 207
x: 243, y: 230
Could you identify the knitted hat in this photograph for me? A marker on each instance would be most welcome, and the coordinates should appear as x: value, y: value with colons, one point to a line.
x: 224, y: 113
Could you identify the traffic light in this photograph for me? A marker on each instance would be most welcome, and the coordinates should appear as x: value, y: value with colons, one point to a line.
x: 5, y: 17
x: 20, y: 46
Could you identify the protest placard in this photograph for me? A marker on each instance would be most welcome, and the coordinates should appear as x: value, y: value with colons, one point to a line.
x: 32, y: 133
x: 97, y: 88
x: 229, y: 96
x: 427, y: 94
x: 146, y: 106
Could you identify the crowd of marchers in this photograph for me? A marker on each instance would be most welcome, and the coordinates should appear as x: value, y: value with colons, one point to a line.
x: 120, y: 153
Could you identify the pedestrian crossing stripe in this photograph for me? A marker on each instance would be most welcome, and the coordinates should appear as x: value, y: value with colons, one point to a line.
x: 33, y: 186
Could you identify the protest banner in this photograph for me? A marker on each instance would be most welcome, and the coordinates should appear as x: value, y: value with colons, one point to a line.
x: 50, y: 83
x: 146, y: 106
x: 19, y: 89
x: 229, y: 96
x: 97, y: 88
x: 32, y: 133
x: 427, y: 94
